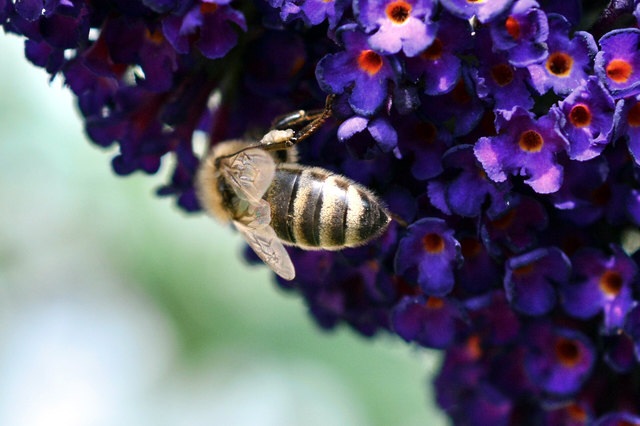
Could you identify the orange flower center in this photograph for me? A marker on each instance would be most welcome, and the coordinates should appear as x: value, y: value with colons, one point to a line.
x: 577, y: 413
x: 370, y: 62
x: 580, y: 115
x: 470, y: 247
x: 208, y: 8
x: 567, y: 351
x: 474, y: 347
x: 435, y: 302
x: 524, y: 270
x: 619, y: 70
x: 502, y: 74
x: 633, y: 116
x: 611, y: 282
x: 559, y: 64
x: 433, y: 243
x: 505, y: 221
x: 398, y: 11
x: 531, y: 141
x: 155, y: 37
x: 513, y: 27
x: 433, y: 52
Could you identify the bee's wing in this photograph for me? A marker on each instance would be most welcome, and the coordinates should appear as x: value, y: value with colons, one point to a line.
x: 264, y: 241
x: 249, y: 173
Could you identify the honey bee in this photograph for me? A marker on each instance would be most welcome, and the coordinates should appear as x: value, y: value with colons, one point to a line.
x: 272, y: 200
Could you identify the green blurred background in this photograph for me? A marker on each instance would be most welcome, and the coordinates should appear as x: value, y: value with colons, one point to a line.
x: 118, y: 309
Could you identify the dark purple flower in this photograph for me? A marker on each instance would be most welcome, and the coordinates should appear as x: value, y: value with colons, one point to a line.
x: 619, y: 353
x: 617, y: 419
x: 317, y: 11
x: 569, y: 414
x: 521, y: 33
x: 586, y: 120
x: 466, y: 192
x: 525, y: 147
x: 515, y: 230
x: 428, y: 255
x: 207, y: 25
x: 461, y: 105
x: 499, y: 81
x: 618, y: 62
x: 627, y: 122
x: 603, y: 284
x: 530, y: 279
x: 423, y: 144
x: 358, y: 69
x: 569, y: 62
x: 479, y: 273
x: 584, y: 191
x: 558, y: 360
x: 632, y: 329
x: 397, y: 24
x: 428, y: 320
x: 378, y: 129
x: 485, y: 11
x: 439, y: 66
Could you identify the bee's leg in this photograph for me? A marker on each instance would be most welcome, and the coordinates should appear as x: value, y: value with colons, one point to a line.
x: 314, y: 121
x: 400, y: 220
x: 300, y: 118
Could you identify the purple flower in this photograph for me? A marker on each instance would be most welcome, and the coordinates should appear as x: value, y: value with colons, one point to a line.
x: 587, y: 120
x: 530, y: 280
x: 379, y: 129
x: 558, y: 360
x: 439, y: 66
x: 616, y: 419
x: 478, y: 273
x: 525, y: 147
x: 401, y: 24
x: 569, y: 61
x: 430, y: 321
x: 427, y: 255
x: 466, y: 192
x: 584, y: 191
x: 359, y: 66
x: 516, y: 229
x: 498, y: 80
x: 604, y: 284
x: 627, y: 122
x: 424, y: 144
x: 317, y: 11
x: 209, y: 24
x: 460, y: 105
x: 521, y: 33
x: 569, y: 414
x: 485, y: 11
x: 618, y: 62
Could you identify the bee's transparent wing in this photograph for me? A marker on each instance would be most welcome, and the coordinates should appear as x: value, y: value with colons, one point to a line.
x: 264, y: 241
x: 249, y: 173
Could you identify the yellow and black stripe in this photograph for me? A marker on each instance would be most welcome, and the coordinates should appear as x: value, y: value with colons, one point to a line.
x: 315, y: 208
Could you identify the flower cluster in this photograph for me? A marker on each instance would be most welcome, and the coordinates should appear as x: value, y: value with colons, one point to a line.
x: 506, y: 133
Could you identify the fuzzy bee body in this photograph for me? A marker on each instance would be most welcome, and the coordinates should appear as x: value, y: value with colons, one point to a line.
x: 313, y: 208
x: 272, y: 200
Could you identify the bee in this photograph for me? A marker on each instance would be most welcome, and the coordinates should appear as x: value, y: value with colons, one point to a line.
x: 274, y: 201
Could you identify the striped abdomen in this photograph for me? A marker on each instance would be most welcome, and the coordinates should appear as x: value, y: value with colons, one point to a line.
x: 314, y: 208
